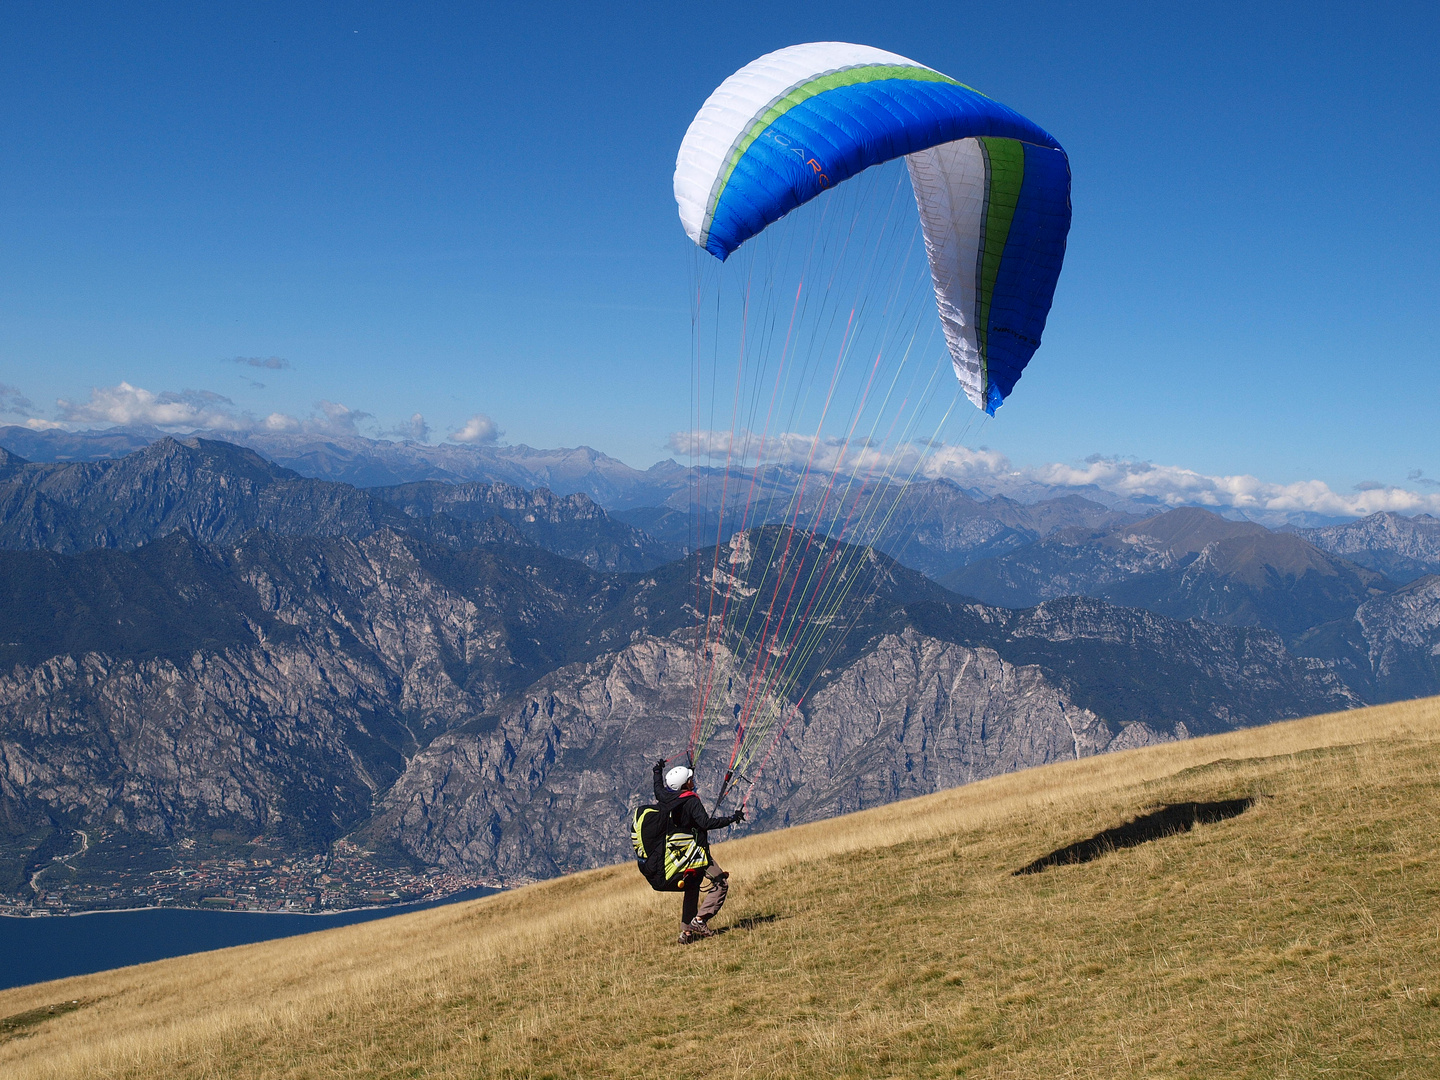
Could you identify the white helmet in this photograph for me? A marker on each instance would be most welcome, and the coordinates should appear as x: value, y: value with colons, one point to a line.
x: 678, y: 777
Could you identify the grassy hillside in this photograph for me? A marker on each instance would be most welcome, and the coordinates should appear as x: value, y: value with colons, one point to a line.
x: 1300, y: 938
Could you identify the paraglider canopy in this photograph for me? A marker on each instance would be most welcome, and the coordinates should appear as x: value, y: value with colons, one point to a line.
x: 993, y: 189
x: 820, y: 330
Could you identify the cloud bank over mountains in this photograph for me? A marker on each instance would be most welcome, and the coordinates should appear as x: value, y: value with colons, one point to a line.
x: 124, y: 405
x: 1126, y: 480
x: 1173, y: 485
x: 1116, y: 480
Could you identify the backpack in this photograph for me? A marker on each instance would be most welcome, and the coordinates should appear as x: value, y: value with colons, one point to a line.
x: 665, y: 856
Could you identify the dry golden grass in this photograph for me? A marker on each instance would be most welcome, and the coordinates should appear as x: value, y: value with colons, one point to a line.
x: 1299, y: 939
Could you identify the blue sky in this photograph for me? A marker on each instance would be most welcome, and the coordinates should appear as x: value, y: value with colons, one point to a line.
x: 467, y: 209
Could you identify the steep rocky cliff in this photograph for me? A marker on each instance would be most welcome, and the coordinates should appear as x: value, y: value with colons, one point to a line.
x: 543, y: 786
x: 1401, y: 634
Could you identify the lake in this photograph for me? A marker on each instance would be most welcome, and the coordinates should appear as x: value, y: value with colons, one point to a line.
x: 53, y: 947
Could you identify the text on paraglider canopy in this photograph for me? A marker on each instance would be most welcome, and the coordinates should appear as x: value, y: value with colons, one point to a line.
x: 1015, y: 333
x: 799, y: 151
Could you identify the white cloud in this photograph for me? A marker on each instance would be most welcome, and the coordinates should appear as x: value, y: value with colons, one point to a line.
x: 283, y: 422
x: 1141, y: 482
x: 126, y: 405
x: 199, y: 410
x: 14, y: 403
x: 415, y: 429
x: 478, y: 429
x: 1172, y: 485
x: 133, y: 405
x: 785, y: 448
x: 336, y: 419
x: 272, y: 363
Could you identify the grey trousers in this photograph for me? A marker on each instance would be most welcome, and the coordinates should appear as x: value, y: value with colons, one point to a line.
x: 716, y: 885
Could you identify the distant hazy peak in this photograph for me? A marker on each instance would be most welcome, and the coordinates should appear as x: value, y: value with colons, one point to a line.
x: 191, y: 452
x: 1188, y: 530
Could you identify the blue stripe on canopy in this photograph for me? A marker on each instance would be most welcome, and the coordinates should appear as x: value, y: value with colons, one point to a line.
x: 1029, y: 269
x: 830, y: 137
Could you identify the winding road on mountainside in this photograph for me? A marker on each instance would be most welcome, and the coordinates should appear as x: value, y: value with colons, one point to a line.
x: 63, y: 860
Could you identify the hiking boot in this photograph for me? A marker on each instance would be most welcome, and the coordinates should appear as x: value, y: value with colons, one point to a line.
x: 686, y: 937
x: 698, y: 929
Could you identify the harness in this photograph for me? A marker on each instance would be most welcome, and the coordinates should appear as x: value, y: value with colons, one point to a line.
x: 666, y: 856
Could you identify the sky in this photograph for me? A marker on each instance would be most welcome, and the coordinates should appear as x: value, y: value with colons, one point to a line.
x: 442, y: 221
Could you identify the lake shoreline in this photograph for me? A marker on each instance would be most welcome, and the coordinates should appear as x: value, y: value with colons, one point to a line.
x: 250, y: 911
x: 41, y: 948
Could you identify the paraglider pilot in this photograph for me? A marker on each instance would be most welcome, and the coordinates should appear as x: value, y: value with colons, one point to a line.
x: 675, y: 793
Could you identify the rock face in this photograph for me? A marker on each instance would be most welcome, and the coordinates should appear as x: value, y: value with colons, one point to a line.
x: 546, y: 789
x: 283, y: 739
x: 351, y: 656
x: 1401, y: 634
x: 1401, y: 548
x: 917, y: 715
x: 570, y: 525
x: 544, y: 785
x: 1134, y: 666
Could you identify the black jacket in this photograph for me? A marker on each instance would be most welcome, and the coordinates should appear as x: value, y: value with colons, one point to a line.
x: 687, y: 811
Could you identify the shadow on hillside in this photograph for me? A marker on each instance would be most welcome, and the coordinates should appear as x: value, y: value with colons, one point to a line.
x: 1168, y: 820
x: 750, y: 922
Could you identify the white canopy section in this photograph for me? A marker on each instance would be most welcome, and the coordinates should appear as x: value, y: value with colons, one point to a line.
x: 729, y: 113
x: 950, y: 187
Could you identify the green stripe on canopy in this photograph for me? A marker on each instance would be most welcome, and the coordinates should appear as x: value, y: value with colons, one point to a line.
x: 803, y: 92
x: 1005, y: 173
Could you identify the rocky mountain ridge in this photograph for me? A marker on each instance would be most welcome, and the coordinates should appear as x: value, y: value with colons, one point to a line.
x: 486, y: 708
x: 1187, y: 563
x: 218, y: 492
x: 937, y: 533
x: 196, y: 642
x: 1402, y: 548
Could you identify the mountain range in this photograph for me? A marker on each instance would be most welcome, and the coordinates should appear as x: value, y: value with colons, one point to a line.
x: 347, y: 456
x: 196, y: 641
x: 931, y: 526
x: 217, y: 492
